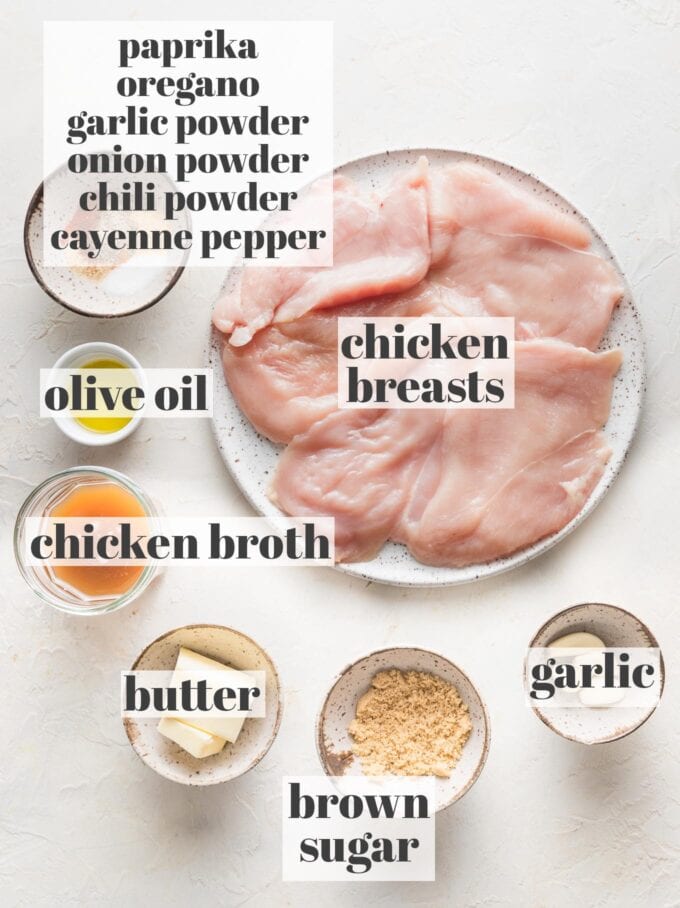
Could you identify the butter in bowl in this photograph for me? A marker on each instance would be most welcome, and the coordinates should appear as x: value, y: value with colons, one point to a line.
x: 202, y: 736
x: 206, y: 750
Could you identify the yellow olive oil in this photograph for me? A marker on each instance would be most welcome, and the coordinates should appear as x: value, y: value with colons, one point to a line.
x: 105, y: 424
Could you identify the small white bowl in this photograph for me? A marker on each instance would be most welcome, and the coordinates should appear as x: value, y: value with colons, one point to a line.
x: 334, y: 744
x: 78, y: 357
x: 616, y: 628
x: 237, y: 650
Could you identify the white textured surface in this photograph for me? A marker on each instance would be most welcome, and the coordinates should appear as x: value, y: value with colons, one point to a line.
x: 587, y: 97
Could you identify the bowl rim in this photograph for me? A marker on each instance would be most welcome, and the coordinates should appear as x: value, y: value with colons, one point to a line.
x: 66, y: 424
x: 150, y: 572
x: 31, y: 210
x: 653, y: 644
x: 129, y: 723
x: 321, y: 714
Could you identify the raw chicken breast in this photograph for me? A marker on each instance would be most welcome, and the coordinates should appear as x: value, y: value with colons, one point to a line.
x: 459, y: 486
x: 501, y: 480
x: 380, y: 245
x: 286, y: 378
x: 551, y: 290
x: 356, y: 466
x: 468, y: 195
x: 534, y: 503
x: 456, y: 486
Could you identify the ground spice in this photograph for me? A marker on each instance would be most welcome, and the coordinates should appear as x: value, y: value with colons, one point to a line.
x: 410, y: 724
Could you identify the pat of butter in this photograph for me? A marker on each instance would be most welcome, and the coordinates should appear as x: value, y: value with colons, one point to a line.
x: 196, y: 742
x: 580, y: 640
x: 199, y: 666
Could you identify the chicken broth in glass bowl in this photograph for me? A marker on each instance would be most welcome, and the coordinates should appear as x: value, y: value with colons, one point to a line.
x: 100, y: 495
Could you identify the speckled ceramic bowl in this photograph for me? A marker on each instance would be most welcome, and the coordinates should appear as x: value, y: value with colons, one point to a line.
x: 237, y: 650
x: 335, y: 746
x: 100, y: 293
x: 617, y: 628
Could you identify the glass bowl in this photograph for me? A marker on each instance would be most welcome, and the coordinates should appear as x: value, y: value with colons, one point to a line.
x: 39, y: 578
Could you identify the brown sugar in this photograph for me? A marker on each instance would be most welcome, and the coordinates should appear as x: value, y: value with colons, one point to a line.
x: 411, y: 724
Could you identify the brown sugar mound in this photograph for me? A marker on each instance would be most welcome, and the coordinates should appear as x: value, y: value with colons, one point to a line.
x: 410, y: 724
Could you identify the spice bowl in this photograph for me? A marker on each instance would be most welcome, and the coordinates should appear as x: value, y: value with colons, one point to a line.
x: 237, y: 650
x: 102, y: 286
x: 616, y: 627
x: 334, y: 744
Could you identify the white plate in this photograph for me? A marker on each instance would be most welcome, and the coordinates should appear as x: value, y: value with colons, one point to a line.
x: 251, y: 459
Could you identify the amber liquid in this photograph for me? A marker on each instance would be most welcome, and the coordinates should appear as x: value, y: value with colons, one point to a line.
x: 98, y: 499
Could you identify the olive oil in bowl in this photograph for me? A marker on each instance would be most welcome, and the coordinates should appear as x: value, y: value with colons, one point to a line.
x: 104, y: 424
x: 106, y: 421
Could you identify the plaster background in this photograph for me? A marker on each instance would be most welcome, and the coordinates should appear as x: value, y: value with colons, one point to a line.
x: 587, y: 97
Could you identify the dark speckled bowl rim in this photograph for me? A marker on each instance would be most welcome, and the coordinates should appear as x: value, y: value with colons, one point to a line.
x: 321, y: 715
x: 33, y: 205
x: 128, y: 723
x: 653, y: 643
